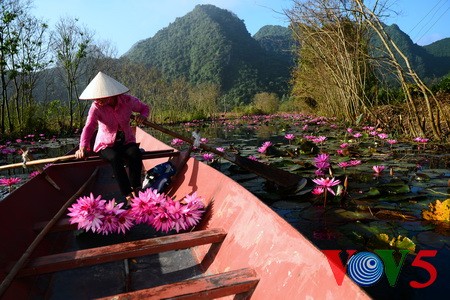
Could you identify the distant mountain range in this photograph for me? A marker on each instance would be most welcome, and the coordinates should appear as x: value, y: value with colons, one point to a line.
x: 213, y: 45
x: 210, y: 44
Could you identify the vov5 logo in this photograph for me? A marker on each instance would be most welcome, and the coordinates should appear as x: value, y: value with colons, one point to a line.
x: 366, y: 268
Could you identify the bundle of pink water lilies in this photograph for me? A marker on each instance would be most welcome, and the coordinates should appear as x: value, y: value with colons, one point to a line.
x: 155, y: 209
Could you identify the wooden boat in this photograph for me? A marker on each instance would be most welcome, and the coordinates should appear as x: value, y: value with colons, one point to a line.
x: 241, y: 249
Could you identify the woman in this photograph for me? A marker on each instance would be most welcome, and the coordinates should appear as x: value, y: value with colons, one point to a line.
x: 115, y: 141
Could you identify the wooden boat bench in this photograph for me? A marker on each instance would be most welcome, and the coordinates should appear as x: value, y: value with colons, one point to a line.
x: 87, y: 257
x: 240, y: 282
x: 237, y: 282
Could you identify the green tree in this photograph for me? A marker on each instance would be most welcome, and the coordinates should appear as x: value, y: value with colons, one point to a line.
x: 267, y: 103
x: 30, y: 59
x: 71, y: 43
x: 10, y: 10
x: 23, y: 54
x: 204, y: 99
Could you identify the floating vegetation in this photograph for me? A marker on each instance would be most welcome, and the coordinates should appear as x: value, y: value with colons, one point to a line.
x: 437, y: 211
x: 399, y: 242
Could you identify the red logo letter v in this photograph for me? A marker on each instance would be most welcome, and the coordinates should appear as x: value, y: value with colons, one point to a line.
x: 337, y: 266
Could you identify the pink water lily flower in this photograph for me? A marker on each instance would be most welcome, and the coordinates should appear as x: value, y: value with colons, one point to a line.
x: 322, y: 161
x: 10, y: 181
x: 193, y: 210
x: 208, y: 157
x: 290, y: 137
x: 164, y: 213
x: 392, y: 142
x: 177, y: 142
x: 175, y: 210
x: 144, y: 207
x: 149, y: 207
x: 264, y: 147
x: 109, y: 222
x: 421, y: 140
x: 327, y: 183
x: 319, y: 139
x: 378, y: 169
x: 318, y: 190
x: 162, y: 220
x: 88, y: 212
x: 116, y: 219
x: 124, y: 222
x: 383, y: 136
x: 351, y: 163
x: 193, y: 199
x: 355, y: 162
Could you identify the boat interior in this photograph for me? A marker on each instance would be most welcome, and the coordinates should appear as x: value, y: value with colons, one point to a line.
x: 241, y: 249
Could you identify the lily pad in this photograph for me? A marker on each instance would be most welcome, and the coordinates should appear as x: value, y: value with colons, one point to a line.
x: 398, y: 189
x: 421, y: 177
x: 393, y: 215
x: 355, y: 215
x: 373, y: 192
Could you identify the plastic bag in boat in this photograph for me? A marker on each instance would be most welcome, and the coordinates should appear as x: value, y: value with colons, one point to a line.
x: 159, y: 176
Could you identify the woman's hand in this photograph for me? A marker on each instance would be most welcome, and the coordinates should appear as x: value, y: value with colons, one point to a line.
x: 81, y: 153
x: 139, y: 119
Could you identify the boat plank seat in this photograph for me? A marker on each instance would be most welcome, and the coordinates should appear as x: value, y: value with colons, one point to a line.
x: 93, y: 256
x: 240, y: 282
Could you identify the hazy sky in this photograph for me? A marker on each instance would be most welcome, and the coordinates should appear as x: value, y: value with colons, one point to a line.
x: 125, y: 22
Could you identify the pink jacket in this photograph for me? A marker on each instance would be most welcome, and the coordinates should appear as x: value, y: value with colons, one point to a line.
x: 109, y: 120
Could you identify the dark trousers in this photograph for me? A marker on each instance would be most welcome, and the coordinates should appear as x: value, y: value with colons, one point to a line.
x: 117, y: 156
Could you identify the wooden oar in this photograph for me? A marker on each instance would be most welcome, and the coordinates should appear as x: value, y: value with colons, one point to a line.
x: 38, y: 162
x: 278, y: 176
x: 71, y: 157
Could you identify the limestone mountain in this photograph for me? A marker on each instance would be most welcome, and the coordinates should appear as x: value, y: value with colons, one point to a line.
x: 210, y: 44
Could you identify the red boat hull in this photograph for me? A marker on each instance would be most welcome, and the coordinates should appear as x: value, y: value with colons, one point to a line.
x: 285, y: 263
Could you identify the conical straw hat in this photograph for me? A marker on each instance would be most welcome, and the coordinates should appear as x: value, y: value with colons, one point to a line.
x: 103, y: 86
